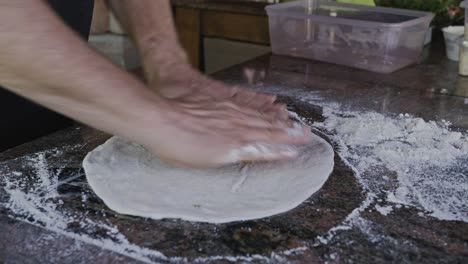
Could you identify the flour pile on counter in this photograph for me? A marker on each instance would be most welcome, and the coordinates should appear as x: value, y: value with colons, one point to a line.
x: 430, y: 160
x: 400, y: 160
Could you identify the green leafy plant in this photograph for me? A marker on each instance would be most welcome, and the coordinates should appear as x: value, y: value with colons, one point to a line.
x: 447, y: 12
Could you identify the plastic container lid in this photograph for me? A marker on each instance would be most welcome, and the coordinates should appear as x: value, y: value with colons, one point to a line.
x: 464, y: 4
x: 368, y: 16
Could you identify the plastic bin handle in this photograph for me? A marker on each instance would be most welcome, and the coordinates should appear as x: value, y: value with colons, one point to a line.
x: 464, y: 4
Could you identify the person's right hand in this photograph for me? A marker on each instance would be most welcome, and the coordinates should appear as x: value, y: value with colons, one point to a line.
x: 215, y: 133
x: 183, y: 82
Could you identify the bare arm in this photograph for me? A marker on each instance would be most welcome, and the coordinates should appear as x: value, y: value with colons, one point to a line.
x: 43, y: 60
x: 151, y: 26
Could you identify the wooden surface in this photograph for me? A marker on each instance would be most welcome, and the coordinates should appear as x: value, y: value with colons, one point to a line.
x: 100, y: 22
x: 251, y: 7
x: 241, y: 21
x: 188, y: 24
x: 240, y: 27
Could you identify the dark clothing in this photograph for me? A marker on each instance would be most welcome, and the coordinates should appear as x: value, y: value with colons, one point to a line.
x: 22, y: 120
x: 77, y: 14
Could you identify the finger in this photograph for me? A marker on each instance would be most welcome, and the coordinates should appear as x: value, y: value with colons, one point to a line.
x: 208, y: 108
x: 244, y: 97
x: 265, y: 101
x: 267, y: 122
x: 255, y: 100
x: 240, y: 115
x: 280, y: 111
x: 269, y: 155
x: 259, y: 151
x: 300, y: 135
x: 279, y: 116
x: 248, y: 111
x: 234, y: 90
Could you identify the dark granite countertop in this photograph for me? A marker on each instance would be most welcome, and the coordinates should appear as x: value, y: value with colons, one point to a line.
x: 60, y: 220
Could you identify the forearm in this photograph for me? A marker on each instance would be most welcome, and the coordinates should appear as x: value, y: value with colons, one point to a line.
x: 41, y: 59
x: 151, y: 26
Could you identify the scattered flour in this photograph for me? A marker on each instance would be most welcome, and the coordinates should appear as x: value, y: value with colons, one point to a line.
x: 427, y: 161
x: 428, y: 158
x: 32, y: 197
x: 384, y: 210
x: 260, y: 150
x: 265, y: 150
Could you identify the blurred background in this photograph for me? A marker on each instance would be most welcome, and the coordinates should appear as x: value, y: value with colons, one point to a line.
x: 221, y: 33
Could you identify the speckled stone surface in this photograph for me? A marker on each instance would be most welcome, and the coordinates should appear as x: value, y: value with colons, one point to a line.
x: 425, y: 90
x: 325, y: 209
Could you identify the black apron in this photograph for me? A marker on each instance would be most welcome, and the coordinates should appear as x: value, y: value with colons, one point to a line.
x: 23, y: 120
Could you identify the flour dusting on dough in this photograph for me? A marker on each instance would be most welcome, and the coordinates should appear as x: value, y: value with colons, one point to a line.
x: 237, y: 192
x: 261, y: 150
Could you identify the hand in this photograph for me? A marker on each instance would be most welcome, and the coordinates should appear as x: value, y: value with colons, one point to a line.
x: 211, y: 134
x: 187, y: 83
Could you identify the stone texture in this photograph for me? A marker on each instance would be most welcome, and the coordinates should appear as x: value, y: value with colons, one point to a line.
x: 174, y: 238
x: 404, y: 236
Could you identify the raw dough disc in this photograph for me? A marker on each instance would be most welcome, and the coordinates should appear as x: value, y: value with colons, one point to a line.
x: 132, y: 181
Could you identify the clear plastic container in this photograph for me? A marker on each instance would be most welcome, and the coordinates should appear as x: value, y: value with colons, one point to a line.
x: 372, y: 38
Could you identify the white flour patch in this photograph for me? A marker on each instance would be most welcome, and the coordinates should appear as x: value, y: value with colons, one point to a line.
x: 275, y: 257
x: 426, y: 160
x: 265, y: 150
x: 260, y: 150
x: 384, y: 210
x: 429, y: 159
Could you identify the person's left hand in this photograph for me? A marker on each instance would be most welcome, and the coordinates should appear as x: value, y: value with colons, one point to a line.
x: 187, y: 83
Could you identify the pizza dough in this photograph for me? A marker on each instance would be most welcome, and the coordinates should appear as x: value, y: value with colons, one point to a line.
x: 132, y: 181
